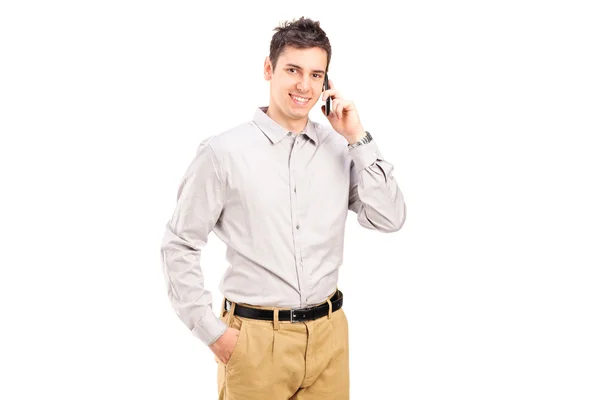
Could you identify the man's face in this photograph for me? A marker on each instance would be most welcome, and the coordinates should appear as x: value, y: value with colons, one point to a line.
x: 297, y: 81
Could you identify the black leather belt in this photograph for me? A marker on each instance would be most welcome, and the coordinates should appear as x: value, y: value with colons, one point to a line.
x: 292, y: 315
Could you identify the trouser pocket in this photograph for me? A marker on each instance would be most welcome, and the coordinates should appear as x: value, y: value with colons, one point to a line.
x: 236, y: 323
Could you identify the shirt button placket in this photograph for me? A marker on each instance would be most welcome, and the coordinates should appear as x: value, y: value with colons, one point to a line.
x: 300, y: 263
x: 294, y: 204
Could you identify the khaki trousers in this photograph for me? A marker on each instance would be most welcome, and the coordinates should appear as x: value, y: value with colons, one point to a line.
x: 280, y: 360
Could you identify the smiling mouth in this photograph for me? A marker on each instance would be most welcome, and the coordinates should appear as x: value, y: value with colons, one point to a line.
x: 299, y: 100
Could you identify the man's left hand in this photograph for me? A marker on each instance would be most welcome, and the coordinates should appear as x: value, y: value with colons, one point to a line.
x: 343, y: 116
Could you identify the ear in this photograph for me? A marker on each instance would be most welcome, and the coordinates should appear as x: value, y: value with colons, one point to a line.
x: 268, y: 69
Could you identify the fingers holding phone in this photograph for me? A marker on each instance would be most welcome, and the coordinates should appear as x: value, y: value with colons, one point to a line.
x: 327, y: 99
x: 330, y: 95
x: 340, y: 112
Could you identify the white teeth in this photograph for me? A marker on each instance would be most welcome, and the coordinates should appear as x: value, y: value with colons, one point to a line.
x: 303, y: 100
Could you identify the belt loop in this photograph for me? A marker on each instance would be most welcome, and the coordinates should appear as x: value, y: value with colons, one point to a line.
x: 231, y: 314
x: 330, y: 308
x: 276, y: 319
x: 223, y: 307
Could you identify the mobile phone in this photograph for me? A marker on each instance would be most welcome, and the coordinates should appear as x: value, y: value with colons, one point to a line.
x: 328, y: 101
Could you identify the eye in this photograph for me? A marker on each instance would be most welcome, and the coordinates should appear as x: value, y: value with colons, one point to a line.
x: 318, y: 76
x: 292, y: 69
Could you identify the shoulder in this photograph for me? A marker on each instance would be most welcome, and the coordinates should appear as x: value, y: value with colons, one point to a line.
x: 229, y: 140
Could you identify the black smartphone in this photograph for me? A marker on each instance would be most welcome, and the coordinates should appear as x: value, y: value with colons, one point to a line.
x: 328, y: 101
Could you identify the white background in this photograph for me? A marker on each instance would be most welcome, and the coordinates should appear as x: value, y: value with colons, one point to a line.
x: 489, y: 112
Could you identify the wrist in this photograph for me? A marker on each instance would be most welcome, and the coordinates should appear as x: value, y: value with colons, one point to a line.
x: 366, y: 138
x: 355, y: 138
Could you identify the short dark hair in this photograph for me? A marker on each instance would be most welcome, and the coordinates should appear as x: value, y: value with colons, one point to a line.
x: 303, y: 33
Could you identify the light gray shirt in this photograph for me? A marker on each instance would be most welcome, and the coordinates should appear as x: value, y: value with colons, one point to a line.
x: 279, y: 202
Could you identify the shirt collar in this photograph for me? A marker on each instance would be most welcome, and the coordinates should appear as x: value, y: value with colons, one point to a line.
x: 276, y: 132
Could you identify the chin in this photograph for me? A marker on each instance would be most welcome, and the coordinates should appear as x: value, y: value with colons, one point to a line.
x: 300, y: 110
x: 299, y: 113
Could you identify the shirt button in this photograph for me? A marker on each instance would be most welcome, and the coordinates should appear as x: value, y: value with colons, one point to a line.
x: 297, y: 226
x: 289, y: 133
x: 294, y: 189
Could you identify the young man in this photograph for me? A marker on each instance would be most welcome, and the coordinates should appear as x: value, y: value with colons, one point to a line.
x: 277, y: 190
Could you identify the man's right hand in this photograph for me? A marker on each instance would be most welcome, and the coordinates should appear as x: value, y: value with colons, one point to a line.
x: 223, y: 346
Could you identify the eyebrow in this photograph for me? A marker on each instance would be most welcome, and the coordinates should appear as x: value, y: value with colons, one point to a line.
x: 300, y: 68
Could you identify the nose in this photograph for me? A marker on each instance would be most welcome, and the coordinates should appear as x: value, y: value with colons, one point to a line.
x: 303, y: 84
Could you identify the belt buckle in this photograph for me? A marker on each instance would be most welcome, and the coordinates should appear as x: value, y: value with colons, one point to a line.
x: 293, y: 314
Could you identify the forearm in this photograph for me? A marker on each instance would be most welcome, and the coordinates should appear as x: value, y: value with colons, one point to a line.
x: 374, y: 192
x: 189, y: 298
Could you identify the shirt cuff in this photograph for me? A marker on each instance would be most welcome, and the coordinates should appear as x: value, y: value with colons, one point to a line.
x: 365, y: 155
x: 209, y: 329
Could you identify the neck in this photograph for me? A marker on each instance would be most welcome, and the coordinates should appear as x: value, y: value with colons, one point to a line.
x: 292, y: 125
